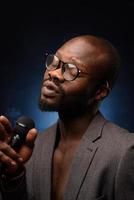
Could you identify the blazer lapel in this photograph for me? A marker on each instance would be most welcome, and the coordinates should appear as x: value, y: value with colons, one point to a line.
x: 84, y: 157
x: 45, y: 187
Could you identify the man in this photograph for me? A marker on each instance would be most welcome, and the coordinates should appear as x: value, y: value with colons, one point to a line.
x: 82, y: 156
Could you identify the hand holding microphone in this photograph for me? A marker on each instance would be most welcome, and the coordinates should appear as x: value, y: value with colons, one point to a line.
x: 16, y: 144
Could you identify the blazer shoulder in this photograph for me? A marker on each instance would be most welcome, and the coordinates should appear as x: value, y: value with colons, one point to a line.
x: 115, y: 128
x: 47, y: 134
x: 118, y: 134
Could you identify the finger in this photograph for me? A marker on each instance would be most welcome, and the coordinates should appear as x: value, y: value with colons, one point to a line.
x: 8, y: 165
x: 2, y: 132
x: 6, y: 161
x: 8, y: 151
x: 27, y: 148
x: 5, y: 122
x: 4, y: 136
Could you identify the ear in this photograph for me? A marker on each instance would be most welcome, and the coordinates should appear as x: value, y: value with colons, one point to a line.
x: 102, y: 92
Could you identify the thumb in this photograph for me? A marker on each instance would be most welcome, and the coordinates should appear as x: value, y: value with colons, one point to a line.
x: 27, y: 148
x: 31, y: 136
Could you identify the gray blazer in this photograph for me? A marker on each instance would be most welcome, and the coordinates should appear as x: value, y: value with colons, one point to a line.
x: 103, y: 167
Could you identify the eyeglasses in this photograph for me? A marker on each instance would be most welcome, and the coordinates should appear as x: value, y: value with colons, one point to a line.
x: 69, y: 71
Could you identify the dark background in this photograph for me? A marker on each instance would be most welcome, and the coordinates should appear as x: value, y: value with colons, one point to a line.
x: 28, y: 31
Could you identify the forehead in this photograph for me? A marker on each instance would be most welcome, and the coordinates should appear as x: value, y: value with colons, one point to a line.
x: 77, y: 48
x: 79, y: 51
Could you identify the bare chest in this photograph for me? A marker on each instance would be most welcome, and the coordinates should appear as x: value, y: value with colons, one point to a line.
x: 61, y: 167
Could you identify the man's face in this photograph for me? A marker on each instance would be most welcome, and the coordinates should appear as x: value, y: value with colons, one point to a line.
x: 58, y: 94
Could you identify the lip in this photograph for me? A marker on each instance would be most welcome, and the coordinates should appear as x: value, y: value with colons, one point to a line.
x: 49, y: 89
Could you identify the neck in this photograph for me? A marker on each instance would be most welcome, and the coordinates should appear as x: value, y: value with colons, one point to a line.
x: 72, y: 127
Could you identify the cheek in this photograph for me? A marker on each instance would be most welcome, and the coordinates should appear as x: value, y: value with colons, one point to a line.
x: 80, y: 91
x: 78, y: 88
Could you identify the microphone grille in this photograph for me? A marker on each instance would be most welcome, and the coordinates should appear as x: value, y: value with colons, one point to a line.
x: 26, y: 121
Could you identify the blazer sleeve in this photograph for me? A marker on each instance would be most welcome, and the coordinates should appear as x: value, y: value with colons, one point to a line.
x: 124, y: 180
x: 13, y: 188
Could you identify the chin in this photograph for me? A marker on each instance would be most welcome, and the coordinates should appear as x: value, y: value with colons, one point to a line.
x: 46, y: 105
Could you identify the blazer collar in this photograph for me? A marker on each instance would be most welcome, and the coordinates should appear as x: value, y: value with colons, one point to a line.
x: 94, y: 130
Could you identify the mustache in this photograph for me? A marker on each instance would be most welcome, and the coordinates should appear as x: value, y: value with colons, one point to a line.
x: 51, y: 79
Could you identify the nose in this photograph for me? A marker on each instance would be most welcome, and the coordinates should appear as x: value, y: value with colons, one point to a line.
x: 56, y: 75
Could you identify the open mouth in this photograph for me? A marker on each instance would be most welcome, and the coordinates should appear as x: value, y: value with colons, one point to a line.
x: 50, y: 89
x: 49, y: 92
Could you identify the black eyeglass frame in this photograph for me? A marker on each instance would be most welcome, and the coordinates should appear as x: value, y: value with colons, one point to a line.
x: 79, y: 71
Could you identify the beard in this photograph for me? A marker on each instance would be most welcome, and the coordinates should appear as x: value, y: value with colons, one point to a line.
x: 70, y: 105
x: 45, y: 106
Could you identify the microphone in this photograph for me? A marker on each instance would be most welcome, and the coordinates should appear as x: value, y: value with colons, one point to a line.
x: 23, y: 125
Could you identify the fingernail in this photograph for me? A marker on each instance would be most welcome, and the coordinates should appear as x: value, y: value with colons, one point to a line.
x: 13, y: 163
